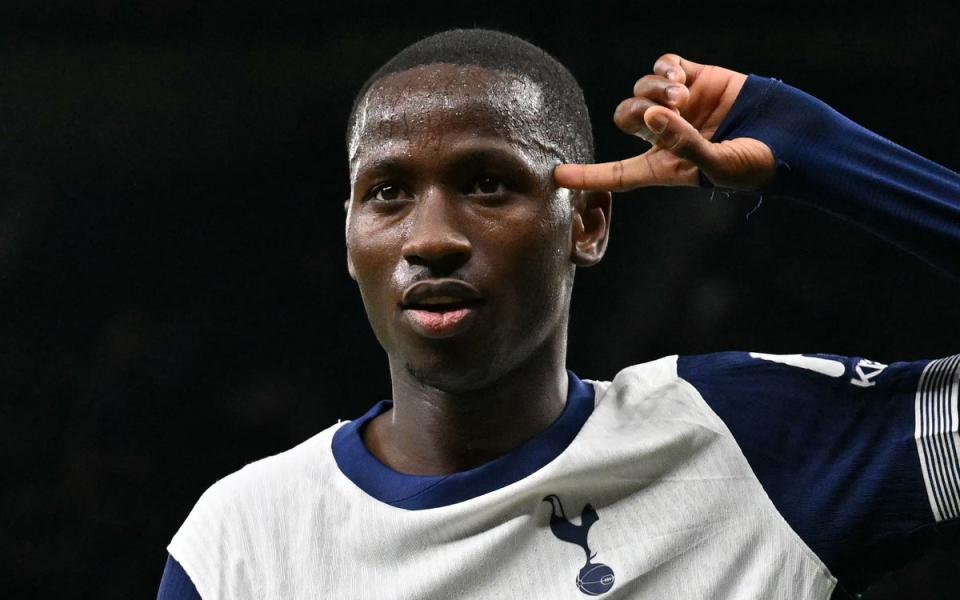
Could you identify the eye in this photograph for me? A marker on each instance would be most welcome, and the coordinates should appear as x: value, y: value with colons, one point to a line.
x: 487, y: 185
x: 388, y: 193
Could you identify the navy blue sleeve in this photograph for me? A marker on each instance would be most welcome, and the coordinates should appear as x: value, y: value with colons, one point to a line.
x: 826, y: 159
x: 861, y: 459
x: 175, y: 583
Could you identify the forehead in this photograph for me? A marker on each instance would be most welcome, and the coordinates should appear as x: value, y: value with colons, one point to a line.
x: 430, y: 104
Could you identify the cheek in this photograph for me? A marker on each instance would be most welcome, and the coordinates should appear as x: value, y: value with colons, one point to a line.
x: 538, y: 253
x: 371, y: 255
x: 371, y: 251
x: 370, y: 242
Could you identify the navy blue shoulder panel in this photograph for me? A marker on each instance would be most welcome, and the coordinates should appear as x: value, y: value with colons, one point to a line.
x: 175, y: 583
x: 831, y: 440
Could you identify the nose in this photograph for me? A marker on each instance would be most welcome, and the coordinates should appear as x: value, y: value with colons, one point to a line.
x: 435, y: 238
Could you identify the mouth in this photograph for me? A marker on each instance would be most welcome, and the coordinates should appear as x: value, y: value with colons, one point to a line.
x: 440, y: 308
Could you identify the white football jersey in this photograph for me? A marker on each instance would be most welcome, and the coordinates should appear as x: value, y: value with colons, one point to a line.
x: 728, y: 475
x: 652, y: 498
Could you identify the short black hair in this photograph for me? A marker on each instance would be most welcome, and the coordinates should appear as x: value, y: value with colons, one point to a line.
x: 563, y: 102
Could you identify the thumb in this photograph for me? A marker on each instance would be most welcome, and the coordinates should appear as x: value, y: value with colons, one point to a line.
x: 741, y: 163
x: 676, y: 135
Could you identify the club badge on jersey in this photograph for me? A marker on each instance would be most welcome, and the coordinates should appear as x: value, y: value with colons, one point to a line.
x: 594, y: 578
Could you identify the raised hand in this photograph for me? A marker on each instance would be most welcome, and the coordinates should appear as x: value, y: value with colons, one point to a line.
x: 678, y: 109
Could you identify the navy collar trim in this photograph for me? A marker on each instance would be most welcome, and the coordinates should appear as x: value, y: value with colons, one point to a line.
x: 416, y: 492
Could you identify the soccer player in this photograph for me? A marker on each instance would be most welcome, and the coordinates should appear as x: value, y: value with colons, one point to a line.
x: 496, y: 473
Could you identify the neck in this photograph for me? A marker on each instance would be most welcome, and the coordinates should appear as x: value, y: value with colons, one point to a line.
x: 434, y: 431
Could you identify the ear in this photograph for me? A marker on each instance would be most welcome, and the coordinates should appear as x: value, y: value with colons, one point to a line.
x: 590, y: 227
x: 346, y: 229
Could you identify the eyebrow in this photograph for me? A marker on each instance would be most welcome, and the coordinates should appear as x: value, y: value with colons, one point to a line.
x: 478, y: 153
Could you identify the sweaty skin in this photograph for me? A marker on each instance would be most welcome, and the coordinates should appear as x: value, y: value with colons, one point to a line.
x: 452, y: 184
x: 391, y: 110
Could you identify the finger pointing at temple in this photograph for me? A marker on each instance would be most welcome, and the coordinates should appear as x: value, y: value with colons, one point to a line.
x: 661, y: 110
x: 678, y: 151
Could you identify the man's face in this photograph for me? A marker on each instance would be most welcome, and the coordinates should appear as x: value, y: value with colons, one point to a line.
x: 457, y: 236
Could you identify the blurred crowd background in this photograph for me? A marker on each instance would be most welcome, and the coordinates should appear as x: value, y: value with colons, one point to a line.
x: 174, y: 301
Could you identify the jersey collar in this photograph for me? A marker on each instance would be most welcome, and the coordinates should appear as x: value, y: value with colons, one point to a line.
x: 416, y: 492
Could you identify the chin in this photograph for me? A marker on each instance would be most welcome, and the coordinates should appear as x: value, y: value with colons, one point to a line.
x: 464, y: 364
x: 453, y: 378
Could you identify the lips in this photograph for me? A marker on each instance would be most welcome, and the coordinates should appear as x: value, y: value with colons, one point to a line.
x: 438, y: 293
x: 440, y: 308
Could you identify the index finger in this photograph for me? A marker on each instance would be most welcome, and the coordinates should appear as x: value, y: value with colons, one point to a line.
x: 616, y: 176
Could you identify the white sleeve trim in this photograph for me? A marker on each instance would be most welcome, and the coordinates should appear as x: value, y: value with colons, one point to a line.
x: 936, y: 433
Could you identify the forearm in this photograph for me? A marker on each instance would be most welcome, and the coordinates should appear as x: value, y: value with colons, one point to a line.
x: 828, y: 160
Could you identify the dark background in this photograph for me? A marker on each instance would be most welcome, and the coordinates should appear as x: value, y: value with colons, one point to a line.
x: 173, y: 297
